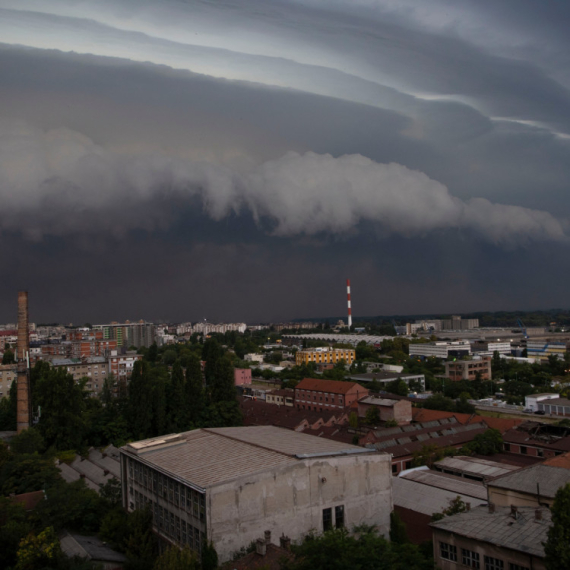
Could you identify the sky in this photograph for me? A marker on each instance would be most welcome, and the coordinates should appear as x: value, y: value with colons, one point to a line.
x: 238, y: 160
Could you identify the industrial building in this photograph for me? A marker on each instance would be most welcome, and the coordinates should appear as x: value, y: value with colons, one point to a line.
x: 469, y: 369
x: 541, y: 350
x: 327, y: 395
x: 230, y: 485
x: 442, y: 349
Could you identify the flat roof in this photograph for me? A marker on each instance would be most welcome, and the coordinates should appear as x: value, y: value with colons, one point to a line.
x: 225, y: 454
x: 546, y: 479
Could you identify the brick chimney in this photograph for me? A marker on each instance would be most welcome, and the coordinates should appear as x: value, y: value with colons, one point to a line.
x: 23, y: 407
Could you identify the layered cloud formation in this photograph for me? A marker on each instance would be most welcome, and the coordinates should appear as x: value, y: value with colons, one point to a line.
x: 281, y: 132
x: 60, y: 182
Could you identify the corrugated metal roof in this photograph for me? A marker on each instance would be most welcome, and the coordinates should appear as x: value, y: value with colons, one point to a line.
x: 475, y: 466
x: 412, y: 495
x: 525, y: 480
x: 455, y: 485
x: 206, y: 457
x: 523, y: 533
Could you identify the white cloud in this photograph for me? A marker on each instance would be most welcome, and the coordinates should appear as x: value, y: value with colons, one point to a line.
x: 60, y: 182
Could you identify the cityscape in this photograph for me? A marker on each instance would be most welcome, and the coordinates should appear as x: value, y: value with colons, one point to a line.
x: 284, y: 285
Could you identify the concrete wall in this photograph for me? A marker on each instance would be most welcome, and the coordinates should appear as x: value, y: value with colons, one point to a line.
x: 484, y: 549
x: 507, y: 497
x: 291, y: 500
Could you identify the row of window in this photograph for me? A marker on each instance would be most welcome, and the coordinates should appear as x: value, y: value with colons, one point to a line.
x: 472, y: 559
x: 172, y: 491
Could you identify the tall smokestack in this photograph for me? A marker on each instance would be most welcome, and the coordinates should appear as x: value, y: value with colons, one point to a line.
x: 349, y: 306
x: 23, y: 413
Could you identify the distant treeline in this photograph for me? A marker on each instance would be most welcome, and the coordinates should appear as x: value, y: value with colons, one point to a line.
x: 486, y: 319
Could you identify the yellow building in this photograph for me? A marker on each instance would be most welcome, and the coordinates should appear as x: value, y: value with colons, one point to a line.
x: 325, y: 356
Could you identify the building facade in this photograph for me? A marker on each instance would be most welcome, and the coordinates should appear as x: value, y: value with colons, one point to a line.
x: 325, y: 356
x: 327, y: 395
x: 469, y: 369
x: 229, y: 485
x: 456, y: 349
x: 8, y: 373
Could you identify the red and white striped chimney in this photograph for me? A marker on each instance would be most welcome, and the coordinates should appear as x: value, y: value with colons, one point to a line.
x: 349, y: 306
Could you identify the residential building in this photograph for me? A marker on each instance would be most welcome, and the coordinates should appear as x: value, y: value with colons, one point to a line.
x: 129, y: 334
x: 284, y: 397
x: 492, y: 538
x: 253, y: 357
x: 469, y: 369
x: 121, y: 365
x: 95, y: 369
x: 325, y: 356
x: 242, y: 376
x: 441, y: 349
x: 319, y: 395
x: 229, y: 485
x: 8, y: 373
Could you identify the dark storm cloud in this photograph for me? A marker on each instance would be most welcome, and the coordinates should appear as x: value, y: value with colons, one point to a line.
x: 293, y: 145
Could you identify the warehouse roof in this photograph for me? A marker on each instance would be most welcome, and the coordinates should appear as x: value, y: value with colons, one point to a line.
x: 526, y: 480
x: 475, y: 466
x: 331, y: 386
x: 450, y: 483
x: 521, y: 531
x: 207, y: 457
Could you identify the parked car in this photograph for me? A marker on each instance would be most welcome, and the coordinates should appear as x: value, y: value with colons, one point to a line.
x: 540, y: 412
x: 528, y: 411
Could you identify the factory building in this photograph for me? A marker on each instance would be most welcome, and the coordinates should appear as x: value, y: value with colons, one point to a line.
x: 229, y: 485
x: 456, y: 349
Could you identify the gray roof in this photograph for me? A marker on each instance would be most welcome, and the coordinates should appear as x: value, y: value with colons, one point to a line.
x: 525, y: 480
x: 89, y: 547
x: 523, y: 533
x: 107, y: 463
x: 417, y: 497
x: 476, y: 466
x: 455, y: 485
x: 226, y: 454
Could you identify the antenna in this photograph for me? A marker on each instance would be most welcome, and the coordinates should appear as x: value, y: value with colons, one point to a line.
x: 349, y: 306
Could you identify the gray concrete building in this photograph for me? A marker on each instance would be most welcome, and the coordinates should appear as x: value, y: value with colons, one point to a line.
x: 230, y: 485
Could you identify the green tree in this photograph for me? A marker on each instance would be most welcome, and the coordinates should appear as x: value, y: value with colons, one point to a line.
x: 455, y: 507
x: 193, y: 393
x: 209, y: 557
x: 63, y: 405
x: 557, y: 546
x: 14, y: 527
x: 140, y: 544
x: 140, y: 401
x: 372, y: 416
x: 174, y: 558
x: 8, y: 357
x: 37, y: 552
x: 398, y: 532
x: 487, y: 443
x: 28, y: 441
x: 177, y: 399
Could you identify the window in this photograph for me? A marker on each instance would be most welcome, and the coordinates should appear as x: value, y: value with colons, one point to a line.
x: 339, y: 516
x: 540, y: 452
x: 448, y: 551
x: 493, y: 563
x: 524, y: 449
x: 507, y: 446
x: 517, y: 567
x: 394, y: 468
x: 327, y: 519
x: 470, y: 558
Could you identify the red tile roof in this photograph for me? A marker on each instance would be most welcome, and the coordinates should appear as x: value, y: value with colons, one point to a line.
x: 559, y: 461
x: 330, y: 386
x: 29, y: 500
x: 253, y: 561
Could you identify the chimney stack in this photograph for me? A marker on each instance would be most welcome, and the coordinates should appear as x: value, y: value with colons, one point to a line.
x: 349, y: 305
x: 285, y: 542
x: 514, y: 511
x: 260, y: 547
x: 23, y: 413
x: 267, y: 537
